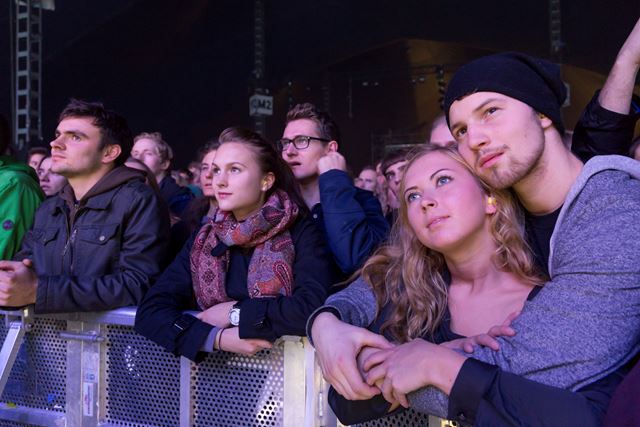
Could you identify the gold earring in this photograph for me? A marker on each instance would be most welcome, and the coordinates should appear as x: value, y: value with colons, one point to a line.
x: 492, y: 201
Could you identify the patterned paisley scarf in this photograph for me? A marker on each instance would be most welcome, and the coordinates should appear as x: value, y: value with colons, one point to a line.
x: 270, y: 271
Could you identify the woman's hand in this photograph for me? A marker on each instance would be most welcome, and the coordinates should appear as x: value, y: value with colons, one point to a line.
x: 217, y: 315
x: 337, y: 345
x: 486, y: 340
x: 230, y: 341
x: 364, y: 354
x: 411, y: 366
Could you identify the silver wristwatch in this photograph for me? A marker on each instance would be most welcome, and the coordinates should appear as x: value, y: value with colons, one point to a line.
x: 234, y: 316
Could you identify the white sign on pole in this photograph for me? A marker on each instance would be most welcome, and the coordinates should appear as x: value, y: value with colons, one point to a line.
x: 261, y: 105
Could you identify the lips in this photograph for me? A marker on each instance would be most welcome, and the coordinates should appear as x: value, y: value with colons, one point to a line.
x: 293, y: 164
x: 436, y: 220
x: 489, y: 159
x: 222, y: 195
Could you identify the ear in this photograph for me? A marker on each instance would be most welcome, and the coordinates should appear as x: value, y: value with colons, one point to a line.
x: 545, y: 121
x: 491, y: 205
x: 165, y: 165
x: 332, y: 146
x: 111, y: 153
x: 267, y: 182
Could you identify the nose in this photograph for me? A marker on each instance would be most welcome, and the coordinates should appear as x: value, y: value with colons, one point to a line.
x: 477, y: 137
x: 220, y: 180
x: 57, y: 143
x: 427, y: 202
x: 291, y: 150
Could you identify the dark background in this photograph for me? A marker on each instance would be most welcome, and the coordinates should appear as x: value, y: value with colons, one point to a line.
x: 184, y: 67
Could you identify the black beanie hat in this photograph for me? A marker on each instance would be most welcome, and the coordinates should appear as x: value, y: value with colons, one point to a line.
x: 534, y: 81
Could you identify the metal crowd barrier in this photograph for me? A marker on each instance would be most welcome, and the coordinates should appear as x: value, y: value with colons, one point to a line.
x: 92, y: 369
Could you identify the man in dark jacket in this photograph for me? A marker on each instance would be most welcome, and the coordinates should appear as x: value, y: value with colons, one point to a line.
x: 351, y: 218
x: 99, y: 244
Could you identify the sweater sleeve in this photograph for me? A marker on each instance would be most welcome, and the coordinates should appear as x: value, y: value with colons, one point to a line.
x: 353, y: 219
x: 271, y: 318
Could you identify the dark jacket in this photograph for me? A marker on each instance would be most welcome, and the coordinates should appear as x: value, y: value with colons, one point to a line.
x: 101, y: 252
x: 176, y: 197
x: 351, y: 219
x: 160, y: 317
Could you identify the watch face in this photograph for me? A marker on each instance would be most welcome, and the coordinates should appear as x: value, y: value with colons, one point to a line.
x: 234, y: 316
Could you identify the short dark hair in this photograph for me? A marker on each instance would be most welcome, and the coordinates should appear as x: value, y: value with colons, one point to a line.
x: 394, y: 157
x: 113, y: 127
x: 208, y: 147
x: 327, y: 127
x: 5, y: 134
x: 37, y: 150
x: 367, y: 168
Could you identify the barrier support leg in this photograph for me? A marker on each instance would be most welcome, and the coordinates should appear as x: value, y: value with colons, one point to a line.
x: 18, y: 323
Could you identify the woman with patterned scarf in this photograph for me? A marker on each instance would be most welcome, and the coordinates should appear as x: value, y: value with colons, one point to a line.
x: 255, y: 271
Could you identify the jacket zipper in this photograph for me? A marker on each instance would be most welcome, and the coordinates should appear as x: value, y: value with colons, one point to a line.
x: 71, y: 238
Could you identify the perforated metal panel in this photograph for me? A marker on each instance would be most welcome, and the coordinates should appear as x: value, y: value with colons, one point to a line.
x: 403, y: 419
x: 234, y: 390
x: 38, y: 377
x: 4, y: 423
x: 142, y: 384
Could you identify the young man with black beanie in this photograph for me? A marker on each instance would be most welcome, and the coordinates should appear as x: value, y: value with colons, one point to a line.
x: 580, y: 332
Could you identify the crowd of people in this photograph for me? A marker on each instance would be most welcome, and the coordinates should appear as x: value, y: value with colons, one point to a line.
x: 489, y: 276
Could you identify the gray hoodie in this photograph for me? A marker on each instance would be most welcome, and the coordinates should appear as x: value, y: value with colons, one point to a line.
x: 585, y: 322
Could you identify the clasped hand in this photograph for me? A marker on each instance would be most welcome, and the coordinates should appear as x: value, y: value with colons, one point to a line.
x: 18, y: 283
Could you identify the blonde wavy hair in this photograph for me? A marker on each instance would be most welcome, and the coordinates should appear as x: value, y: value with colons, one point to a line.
x: 409, y: 277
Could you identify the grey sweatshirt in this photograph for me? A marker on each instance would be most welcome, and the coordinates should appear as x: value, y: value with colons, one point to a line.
x: 585, y: 322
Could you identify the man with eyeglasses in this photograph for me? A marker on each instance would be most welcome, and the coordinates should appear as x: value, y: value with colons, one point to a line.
x: 351, y: 219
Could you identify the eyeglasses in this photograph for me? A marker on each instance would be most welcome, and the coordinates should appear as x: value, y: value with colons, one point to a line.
x: 300, y: 142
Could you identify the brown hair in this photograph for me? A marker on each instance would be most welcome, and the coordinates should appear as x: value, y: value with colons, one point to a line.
x: 327, y: 127
x: 114, y: 129
x: 411, y: 277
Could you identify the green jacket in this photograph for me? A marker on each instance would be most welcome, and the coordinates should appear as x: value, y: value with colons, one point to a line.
x: 20, y: 196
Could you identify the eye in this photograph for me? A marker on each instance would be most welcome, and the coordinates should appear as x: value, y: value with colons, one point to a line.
x: 412, y: 197
x: 215, y: 170
x: 234, y: 169
x: 75, y: 137
x: 489, y: 111
x: 442, y: 180
x: 460, y: 132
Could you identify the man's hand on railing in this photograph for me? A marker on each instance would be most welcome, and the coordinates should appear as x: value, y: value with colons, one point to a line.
x: 18, y: 283
x: 217, y: 315
x: 337, y: 345
x: 230, y: 341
